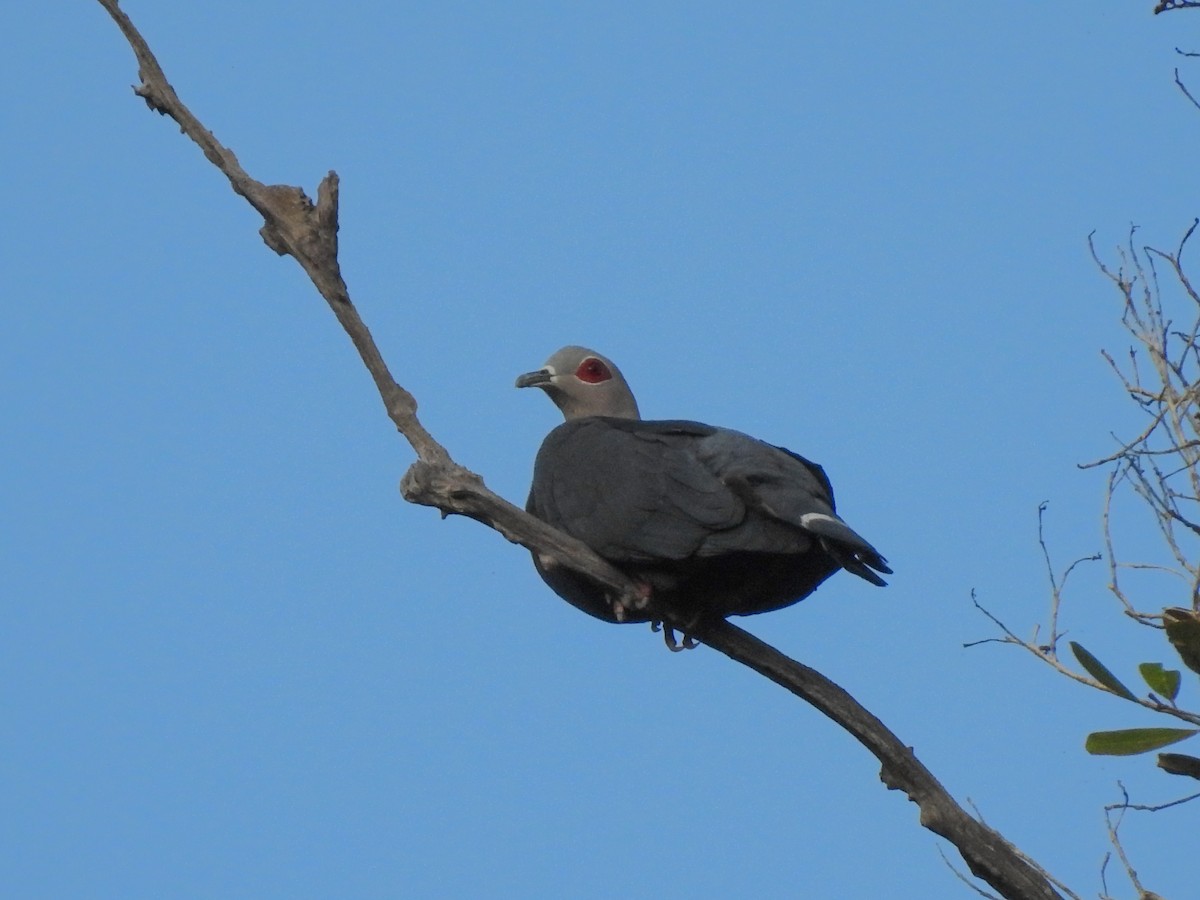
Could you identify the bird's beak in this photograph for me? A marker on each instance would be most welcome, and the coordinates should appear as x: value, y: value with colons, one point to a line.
x: 540, y: 378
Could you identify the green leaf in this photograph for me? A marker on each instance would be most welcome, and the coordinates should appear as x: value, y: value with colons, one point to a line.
x: 1183, y: 631
x: 1096, y: 669
x: 1164, y: 682
x: 1131, y: 741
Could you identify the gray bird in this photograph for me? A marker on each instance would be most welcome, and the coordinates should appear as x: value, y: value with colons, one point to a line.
x: 709, y: 521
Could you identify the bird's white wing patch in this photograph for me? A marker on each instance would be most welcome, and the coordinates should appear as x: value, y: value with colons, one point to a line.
x: 820, y: 522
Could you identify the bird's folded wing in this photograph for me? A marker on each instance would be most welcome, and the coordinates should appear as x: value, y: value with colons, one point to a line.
x: 631, y: 492
x: 789, y: 489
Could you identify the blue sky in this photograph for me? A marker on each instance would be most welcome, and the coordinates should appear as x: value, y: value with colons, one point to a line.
x: 236, y: 664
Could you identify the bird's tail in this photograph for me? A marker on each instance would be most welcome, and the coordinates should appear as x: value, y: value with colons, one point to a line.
x: 846, y: 546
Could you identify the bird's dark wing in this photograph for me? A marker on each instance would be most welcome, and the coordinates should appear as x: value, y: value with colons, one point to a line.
x: 633, y: 491
x: 787, y: 488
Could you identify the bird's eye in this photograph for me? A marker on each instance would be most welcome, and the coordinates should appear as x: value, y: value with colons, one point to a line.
x: 593, y: 371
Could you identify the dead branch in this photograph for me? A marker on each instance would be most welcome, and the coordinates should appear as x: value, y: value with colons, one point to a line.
x: 295, y: 226
x: 1114, y: 838
x: 307, y: 231
x: 1048, y: 654
x: 987, y: 853
x: 1169, y: 5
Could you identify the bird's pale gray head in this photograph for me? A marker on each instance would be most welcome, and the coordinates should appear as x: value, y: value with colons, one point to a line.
x: 582, y: 382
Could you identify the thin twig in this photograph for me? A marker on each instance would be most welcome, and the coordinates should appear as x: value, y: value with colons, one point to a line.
x: 1046, y: 654
x: 1143, y: 807
x: 1115, y: 840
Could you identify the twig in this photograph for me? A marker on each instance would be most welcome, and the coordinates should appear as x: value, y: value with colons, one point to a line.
x: 1056, y: 584
x: 1142, y: 807
x: 1186, y: 92
x: 964, y: 878
x: 1115, y: 840
x: 1046, y: 653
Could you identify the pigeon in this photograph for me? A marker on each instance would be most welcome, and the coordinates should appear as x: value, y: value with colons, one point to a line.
x: 709, y: 522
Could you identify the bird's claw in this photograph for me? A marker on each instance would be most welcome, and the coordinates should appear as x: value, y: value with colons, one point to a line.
x: 688, y: 642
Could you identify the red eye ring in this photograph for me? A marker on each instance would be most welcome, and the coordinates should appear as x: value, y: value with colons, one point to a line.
x: 593, y: 371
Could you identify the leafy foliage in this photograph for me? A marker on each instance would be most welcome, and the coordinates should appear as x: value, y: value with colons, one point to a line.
x: 1100, y: 672
x: 1132, y: 741
x: 1161, y: 681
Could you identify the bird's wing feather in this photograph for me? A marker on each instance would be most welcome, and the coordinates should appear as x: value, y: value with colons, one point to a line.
x: 788, y: 484
x: 790, y: 489
x: 632, y: 490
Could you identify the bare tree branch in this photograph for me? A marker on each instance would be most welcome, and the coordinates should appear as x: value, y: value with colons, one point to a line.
x: 1170, y: 5
x: 295, y: 226
x: 1160, y: 466
x: 1047, y: 651
x: 1114, y: 838
x: 988, y: 854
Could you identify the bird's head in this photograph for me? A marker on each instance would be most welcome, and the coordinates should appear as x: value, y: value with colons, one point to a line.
x: 581, y: 383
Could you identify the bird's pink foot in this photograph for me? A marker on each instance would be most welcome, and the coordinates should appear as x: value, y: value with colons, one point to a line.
x: 640, y: 602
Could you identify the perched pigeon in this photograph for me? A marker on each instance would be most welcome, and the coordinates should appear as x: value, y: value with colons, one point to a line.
x: 711, y: 522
